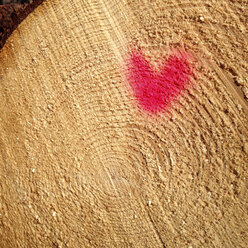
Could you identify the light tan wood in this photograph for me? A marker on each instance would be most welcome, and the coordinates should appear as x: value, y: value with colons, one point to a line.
x: 82, y: 166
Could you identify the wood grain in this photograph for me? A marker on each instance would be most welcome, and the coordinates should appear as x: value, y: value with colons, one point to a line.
x: 82, y: 166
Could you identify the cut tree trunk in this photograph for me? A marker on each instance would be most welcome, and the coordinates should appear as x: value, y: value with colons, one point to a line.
x: 82, y: 165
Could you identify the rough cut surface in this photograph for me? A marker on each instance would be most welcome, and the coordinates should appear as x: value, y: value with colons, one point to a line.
x: 82, y: 166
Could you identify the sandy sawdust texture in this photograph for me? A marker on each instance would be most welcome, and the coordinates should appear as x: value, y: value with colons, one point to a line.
x: 82, y: 166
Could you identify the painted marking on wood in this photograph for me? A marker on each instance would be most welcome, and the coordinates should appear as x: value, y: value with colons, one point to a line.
x: 154, y: 90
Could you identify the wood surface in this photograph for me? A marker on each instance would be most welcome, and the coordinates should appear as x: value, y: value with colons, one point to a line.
x: 82, y: 166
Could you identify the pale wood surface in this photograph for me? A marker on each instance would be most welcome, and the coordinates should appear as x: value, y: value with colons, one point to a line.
x: 82, y: 166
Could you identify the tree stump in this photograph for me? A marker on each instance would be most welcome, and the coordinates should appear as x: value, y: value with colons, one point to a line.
x: 82, y: 165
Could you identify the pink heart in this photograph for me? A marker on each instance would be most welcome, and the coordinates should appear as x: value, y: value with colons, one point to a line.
x: 155, y: 90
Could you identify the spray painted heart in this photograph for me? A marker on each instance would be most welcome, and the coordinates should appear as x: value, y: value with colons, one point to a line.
x: 153, y: 90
